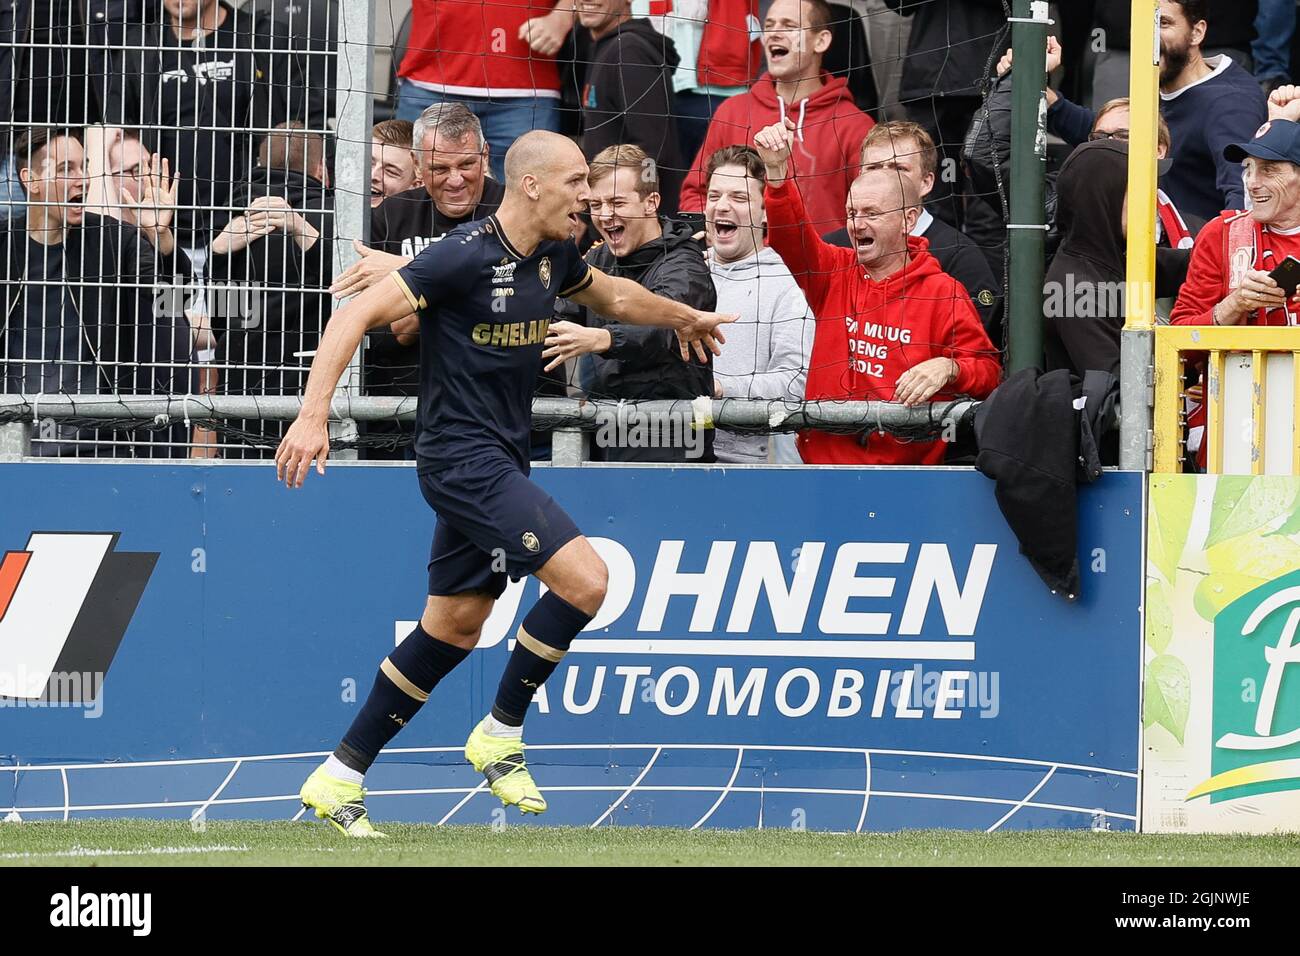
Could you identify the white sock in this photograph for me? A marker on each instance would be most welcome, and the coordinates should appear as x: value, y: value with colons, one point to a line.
x: 337, y: 768
x: 498, y: 729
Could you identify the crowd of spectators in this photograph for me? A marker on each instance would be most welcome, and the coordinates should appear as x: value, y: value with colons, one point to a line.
x: 837, y: 180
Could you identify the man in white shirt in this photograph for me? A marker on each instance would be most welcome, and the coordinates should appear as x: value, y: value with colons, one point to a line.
x: 768, y: 346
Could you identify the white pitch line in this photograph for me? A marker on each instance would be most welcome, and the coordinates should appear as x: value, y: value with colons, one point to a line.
x: 464, y: 800
x: 826, y: 791
x: 67, y: 800
x: 80, y: 852
x: 628, y: 792
x: 866, y: 794
x: 740, y: 753
x: 216, y: 793
x: 1029, y: 796
x: 787, y: 748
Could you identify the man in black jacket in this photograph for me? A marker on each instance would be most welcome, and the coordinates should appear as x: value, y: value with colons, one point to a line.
x: 638, y: 362
x: 204, y: 85
x: 270, y: 269
x: 82, y: 311
x: 628, y: 94
x: 908, y: 148
x: 947, y: 63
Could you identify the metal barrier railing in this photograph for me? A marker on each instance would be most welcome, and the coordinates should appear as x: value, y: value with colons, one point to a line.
x: 1250, y: 389
x: 566, y: 418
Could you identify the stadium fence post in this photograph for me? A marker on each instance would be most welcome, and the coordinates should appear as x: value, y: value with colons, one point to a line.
x: 15, y: 440
x: 568, y: 447
x: 1027, y: 229
x: 352, y: 126
x: 1136, y: 340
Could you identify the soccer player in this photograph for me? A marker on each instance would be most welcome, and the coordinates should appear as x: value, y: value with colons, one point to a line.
x: 484, y: 296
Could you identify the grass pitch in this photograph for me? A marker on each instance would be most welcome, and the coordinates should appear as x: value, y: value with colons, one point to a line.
x: 234, y: 843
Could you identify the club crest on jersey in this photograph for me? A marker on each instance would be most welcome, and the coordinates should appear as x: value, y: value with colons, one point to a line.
x: 531, y: 542
x: 544, y: 271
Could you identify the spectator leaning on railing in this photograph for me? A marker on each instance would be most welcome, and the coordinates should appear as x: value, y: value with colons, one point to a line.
x: 768, y: 346
x: 891, y: 326
x: 452, y: 159
x: 636, y: 361
x: 907, y: 148
x: 128, y: 183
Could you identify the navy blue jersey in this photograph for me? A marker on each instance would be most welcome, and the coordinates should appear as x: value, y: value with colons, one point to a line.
x: 484, y: 310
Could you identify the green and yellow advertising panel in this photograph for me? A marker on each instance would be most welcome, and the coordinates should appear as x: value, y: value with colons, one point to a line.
x: 1221, y: 692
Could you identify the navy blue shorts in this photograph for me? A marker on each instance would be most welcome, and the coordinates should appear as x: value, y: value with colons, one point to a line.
x: 493, y: 524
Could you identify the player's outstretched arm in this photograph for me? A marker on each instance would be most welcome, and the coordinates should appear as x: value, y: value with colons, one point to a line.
x: 624, y: 301
x: 308, y: 438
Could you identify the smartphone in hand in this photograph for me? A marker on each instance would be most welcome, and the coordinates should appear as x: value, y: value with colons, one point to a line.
x: 1287, y: 275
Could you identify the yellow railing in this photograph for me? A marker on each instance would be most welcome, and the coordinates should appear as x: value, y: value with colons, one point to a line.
x: 1216, y: 344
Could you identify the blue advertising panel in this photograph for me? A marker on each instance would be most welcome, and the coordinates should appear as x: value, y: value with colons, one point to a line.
x: 837, y: 649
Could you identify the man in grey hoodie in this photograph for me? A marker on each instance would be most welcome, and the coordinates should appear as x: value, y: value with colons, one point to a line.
x: 766, y: 355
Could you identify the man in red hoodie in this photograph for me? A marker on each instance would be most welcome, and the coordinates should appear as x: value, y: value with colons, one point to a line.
x: 829, y: 127
x: 891, y: 325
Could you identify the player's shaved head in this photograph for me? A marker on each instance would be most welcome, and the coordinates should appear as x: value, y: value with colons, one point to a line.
x: 537, y: 153
x: 546, y: 185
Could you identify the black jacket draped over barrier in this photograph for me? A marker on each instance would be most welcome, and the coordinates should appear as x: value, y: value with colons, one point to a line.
x: 1038, y: 447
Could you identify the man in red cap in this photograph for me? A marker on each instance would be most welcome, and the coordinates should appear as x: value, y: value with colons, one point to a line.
x: 1228, y: 281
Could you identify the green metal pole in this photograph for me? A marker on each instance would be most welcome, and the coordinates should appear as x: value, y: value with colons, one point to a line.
x: 1028, y: 173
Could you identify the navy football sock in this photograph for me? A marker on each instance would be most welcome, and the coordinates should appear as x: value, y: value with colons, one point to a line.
x: 543, y: 638
x: 402, y: 685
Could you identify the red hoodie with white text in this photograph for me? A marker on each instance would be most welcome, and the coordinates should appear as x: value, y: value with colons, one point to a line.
x: 829, y: 130
x: 869, y: 333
